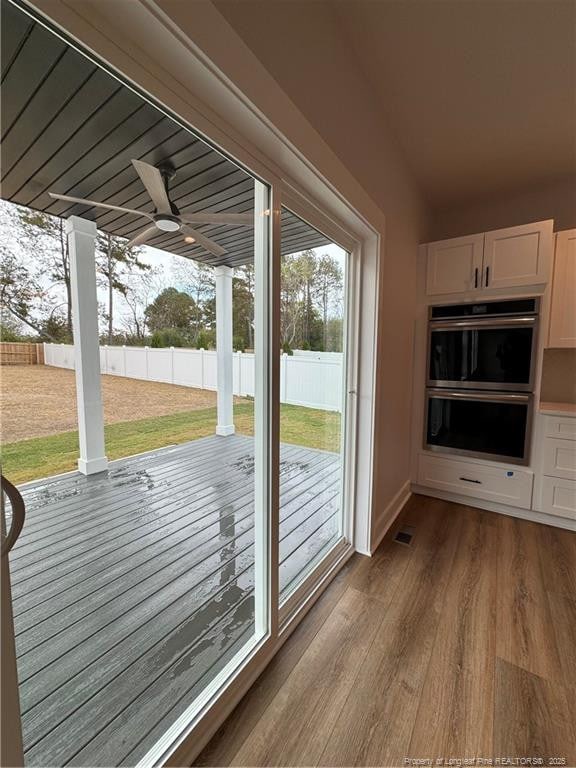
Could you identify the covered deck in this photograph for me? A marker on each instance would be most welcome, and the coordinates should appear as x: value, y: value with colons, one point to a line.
x: 134, y: 587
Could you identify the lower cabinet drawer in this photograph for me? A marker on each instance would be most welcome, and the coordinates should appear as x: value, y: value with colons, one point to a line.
x: 559, y: 497
x: 560, y: 458
x: 563, y: 427
x: 492, y: 483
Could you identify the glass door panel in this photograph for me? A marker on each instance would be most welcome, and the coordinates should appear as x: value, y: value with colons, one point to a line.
x: 139, y: 583
x: 312, y: 402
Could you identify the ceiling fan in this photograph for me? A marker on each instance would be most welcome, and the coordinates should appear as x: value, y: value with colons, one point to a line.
x: 167, y: 217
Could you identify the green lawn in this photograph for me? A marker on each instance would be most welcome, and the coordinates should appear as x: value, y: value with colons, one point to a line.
x: 45, y: 456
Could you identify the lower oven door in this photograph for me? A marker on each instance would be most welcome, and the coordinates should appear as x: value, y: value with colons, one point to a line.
x: 485, y: 425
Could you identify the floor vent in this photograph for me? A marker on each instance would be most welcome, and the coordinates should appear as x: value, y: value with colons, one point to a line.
x: 404, y: 535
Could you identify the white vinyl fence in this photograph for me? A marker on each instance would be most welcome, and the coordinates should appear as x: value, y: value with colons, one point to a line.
x: 311, y: 379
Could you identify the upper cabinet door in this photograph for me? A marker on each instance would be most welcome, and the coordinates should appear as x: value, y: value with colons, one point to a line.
x: 454, y: 266
x: 517, y: 256
x: 563, y: 309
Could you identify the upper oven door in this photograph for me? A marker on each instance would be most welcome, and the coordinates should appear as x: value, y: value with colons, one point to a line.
x: 493, y: 354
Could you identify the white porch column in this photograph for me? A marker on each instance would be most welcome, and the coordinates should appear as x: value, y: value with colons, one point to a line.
x: 224, y: 351
x: 81, y: 244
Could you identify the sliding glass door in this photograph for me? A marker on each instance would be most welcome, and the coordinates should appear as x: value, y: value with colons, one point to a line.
x: 200, y: 490
x: 314, y: 275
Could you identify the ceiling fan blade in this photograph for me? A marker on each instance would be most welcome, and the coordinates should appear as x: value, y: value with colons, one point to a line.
x: 154, y: 183
x: 203, y: 241
x: 237, y: 219
x: 95, y: 204
x: 143, y: 236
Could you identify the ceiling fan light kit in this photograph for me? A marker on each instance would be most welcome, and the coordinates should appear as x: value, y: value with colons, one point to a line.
x: 166, y: 217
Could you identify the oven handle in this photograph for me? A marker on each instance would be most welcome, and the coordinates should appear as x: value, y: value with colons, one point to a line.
x: 447, y: 394
x: 488, y: 322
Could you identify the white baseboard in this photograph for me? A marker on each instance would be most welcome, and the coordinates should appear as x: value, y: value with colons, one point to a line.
x: 502, y: 509
x: 383, y: 522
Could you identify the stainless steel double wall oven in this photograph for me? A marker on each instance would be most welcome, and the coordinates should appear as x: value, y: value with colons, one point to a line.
x: 480, y: 382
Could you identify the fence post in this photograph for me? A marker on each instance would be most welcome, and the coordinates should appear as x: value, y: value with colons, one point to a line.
x: 171, y: 365
x: 239, y: 354
x: 284, y: 378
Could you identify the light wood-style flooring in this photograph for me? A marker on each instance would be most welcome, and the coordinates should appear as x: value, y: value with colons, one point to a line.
x: 461, y: 645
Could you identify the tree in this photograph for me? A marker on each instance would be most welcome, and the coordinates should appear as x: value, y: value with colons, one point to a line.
x: 171, y: 309
x: 290, y: 302
x: 169, y: 337
x: 10, y: 329
x: 22, y: 297
x: 198, y: 281
x: 327, y: 290
x: 116, y: 261
x: 46, y: 237
x: 300, y: 321
x: 139, y: 288
x: 243, y: 307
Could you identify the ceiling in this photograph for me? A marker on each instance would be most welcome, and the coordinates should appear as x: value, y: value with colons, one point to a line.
x: 481, y: 93
x: 70, y: 127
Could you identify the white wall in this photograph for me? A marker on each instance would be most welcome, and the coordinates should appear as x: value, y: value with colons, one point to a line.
x: 309, y: 379
x: 553, y: 200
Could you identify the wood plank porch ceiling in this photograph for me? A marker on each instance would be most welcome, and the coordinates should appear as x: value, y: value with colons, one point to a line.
x: 70, y: 127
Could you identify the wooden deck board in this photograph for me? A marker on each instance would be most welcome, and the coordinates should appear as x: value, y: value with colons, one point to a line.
x: 124, y: 581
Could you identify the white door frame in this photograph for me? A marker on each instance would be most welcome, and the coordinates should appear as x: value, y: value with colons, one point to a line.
x: 147, y: 41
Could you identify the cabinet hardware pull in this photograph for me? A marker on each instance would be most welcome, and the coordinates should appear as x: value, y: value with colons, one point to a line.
x: 468, y: 480
x: 476, y: 278
x: 487, y: 276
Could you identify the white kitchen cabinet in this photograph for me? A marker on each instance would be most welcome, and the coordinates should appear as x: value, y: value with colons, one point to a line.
x: 454, y: 266
x: 511, y: 486
x: 479, y: 264
x: 559, y: 497
x: 559, y: 458
x: 517, y: 256
x: 563, y: 304
x: 562, y: 427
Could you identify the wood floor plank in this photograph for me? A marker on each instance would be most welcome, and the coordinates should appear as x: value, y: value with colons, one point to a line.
x: 522, y: 613
x: 557, y: 548
x: 563, y: 611
x: 455, y: 715
x: 531, y: 717
x: 234, y: 732
x: 336, y: 654
x: 380, y: 575
x: 380, y: 711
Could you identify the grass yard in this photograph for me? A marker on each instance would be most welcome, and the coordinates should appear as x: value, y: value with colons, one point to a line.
x: 52, y: 454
